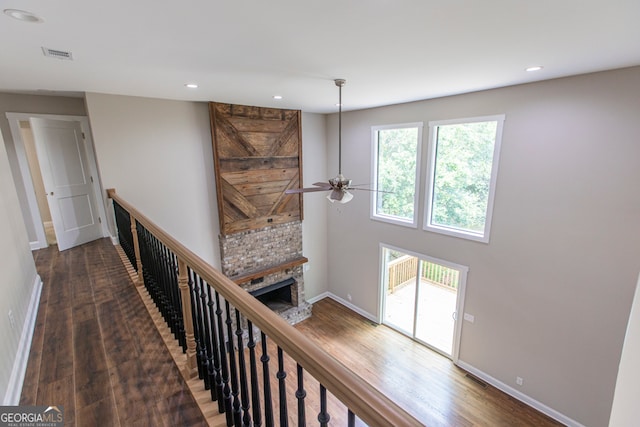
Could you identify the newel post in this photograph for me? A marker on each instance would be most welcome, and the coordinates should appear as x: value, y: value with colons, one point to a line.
x: 191, y: 368
x: 136, y: 249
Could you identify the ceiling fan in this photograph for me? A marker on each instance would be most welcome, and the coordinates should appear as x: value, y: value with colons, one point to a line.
x: 339, y: 186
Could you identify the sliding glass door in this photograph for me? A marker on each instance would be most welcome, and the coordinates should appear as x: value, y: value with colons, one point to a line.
x: 421, y: 298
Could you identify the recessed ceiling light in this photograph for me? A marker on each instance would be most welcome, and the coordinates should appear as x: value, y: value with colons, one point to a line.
x: 22, y: 15
x: 277, y: 96
x: 534, y: 68
x: 191, y: 85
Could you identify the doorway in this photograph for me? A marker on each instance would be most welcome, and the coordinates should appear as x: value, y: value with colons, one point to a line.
x: 421, y: 298
x: 59, y: 172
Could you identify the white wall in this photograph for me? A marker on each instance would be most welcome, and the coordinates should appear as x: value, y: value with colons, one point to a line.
x: 624, y: 412
x: 158, y: 155
x: 551, y: 292
x: 314, y: 224
x: 19, y: 280
x: 15, y: 103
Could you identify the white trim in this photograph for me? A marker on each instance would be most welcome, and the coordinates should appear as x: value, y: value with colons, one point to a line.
x: 344, y: 302
x: 23, y: 165
x: 16, y: 380
x: 413, y: 223
x: 14, y: 123
x: 460, y: 296
x: 519, y: 395
x: 114, y: 240
x: 452, y: 231
x: 319, y: 297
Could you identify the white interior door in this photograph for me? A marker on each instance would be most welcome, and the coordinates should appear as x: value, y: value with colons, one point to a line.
x: 63, y: 161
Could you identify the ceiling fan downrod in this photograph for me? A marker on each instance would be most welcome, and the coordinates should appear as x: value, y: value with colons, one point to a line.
x: 340, y: 83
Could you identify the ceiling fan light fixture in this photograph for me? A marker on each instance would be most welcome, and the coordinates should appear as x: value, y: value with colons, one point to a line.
x: 341, y: 196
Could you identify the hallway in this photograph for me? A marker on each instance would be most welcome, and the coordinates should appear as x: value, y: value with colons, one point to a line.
x: 96, y: 351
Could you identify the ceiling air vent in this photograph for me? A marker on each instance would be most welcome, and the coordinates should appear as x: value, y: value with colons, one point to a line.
x: 60, y: 54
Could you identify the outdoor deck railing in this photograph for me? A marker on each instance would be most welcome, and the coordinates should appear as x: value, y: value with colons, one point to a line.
x: 218, y: 325
x: 405, y: 268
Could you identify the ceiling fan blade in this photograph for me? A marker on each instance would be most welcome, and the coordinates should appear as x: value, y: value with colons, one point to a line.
x: 371, y: 189
x: 322, y: 184
x: 306, y: 190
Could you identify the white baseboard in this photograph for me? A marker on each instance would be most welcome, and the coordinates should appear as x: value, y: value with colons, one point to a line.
x: 520, y: 396
x: 14, y: 388
x: 346, y: 303
x: 318, y: 298
x: 114, y: 240
x: 38, y: 245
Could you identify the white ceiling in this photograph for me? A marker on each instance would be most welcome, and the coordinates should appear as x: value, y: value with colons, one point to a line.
x: 246, y: 51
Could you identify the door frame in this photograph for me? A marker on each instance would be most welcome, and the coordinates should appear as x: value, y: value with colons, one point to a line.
x: 464, y: 270
x: 14, y: 124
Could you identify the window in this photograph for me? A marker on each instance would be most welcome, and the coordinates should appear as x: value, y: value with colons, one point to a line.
x: 396, y: 154
x: 421, y: 297
x: 463, y: 161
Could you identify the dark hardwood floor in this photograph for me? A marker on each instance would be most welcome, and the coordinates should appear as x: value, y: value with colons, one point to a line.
x: 95, y: 349
x: 96, y: 352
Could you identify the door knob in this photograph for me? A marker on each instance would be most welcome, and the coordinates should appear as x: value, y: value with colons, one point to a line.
x: 51, y: 194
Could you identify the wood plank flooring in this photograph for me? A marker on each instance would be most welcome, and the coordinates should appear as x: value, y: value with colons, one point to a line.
x: 427, y: 385
x: 111, y: 372
x: 95, y: 349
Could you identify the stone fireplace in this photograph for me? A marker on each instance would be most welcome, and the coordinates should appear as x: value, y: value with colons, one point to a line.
x: 268, y: 263
x: 257, y: 154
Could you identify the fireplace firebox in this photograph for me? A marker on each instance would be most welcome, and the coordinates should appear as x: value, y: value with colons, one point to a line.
x: 277, y: 296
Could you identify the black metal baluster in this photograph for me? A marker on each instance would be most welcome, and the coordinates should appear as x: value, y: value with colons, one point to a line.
x: 159, y: 270
x: 153, y: 277
x: 176, y: 301
x: 205, y: 339
x: 214, y: 361
x: 223, y: 359
x: 233, y: 370
x: 300, y: 395
x: 198, y: 333
x: 282, y: 389
x: 266, y: 382
x: 255, y: 390
x: 125, y: 236
x: 351, y: 419
x: 144, y: 251
x: 182, y: 337
x: 244, y: 387
x: 323, y: 416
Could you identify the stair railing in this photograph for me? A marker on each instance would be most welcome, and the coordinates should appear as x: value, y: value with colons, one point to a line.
x: 219, y: 326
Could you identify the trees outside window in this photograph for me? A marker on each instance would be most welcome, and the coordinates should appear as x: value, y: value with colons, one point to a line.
x: 396, y: 152
x: 463, y: 161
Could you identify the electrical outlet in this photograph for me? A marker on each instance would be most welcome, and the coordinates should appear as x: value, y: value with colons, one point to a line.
x: 12, y: 319
x: 306, y: 267
x: 519, y: 380
x: 349, y: 297
x: 469, y: 317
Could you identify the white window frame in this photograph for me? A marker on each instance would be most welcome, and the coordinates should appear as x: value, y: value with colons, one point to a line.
x: 462, y: 290
x: 452, y: 231
x: 374, y: 173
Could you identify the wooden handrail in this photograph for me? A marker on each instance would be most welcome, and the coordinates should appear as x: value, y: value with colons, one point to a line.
x: 369, y: 404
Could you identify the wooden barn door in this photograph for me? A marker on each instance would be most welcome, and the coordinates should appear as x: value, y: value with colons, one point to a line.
x: 257, y: 154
